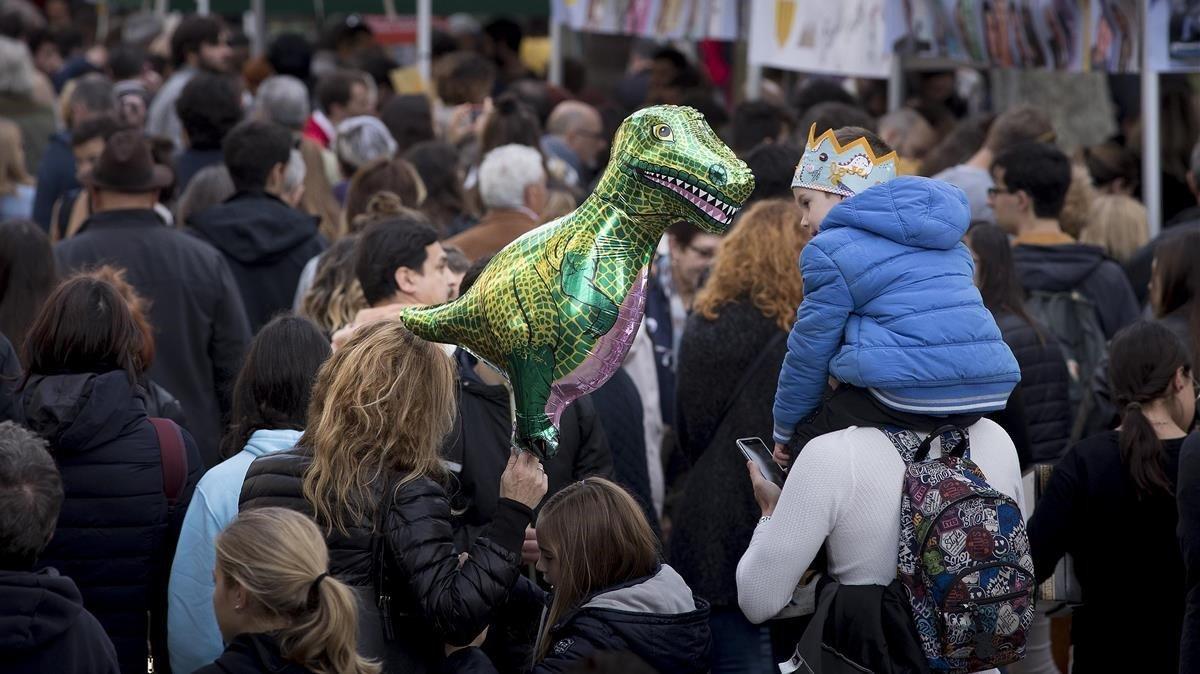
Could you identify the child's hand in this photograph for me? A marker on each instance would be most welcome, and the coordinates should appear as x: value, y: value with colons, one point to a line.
x: 781, y: 455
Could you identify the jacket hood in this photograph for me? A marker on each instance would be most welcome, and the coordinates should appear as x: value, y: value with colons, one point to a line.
x: 912, y: 211
x: 37, y: 608
x: 1056, y: 268
x: 263, y: 442
x: 659, y: 619
x: 254, y: 227
x: 75, y: 412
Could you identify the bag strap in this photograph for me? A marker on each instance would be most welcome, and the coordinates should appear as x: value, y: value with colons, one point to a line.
x: 173, y: 456
x: 923, y: 450
x: 749, y: 373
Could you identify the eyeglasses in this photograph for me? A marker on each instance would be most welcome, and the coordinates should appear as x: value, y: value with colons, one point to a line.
x: 993, y: 192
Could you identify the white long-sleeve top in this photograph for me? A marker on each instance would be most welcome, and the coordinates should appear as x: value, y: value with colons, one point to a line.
x: 845, y: 487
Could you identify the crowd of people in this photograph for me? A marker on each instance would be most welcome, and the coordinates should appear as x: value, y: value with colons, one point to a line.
x: 221, y: 451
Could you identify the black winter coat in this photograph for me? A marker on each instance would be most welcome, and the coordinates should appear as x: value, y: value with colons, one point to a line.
x: 478, y: 448
x: 252, y: 654
x: 195, y: 307
x: 1188, y: 498
x: 715, y: 518
x: 437, y: 601
x: 45, y: 628
x: 656, y: 618
x: 266, y: 243
x: 619, y: 408
x: 1123, y: 625
x: 1141, y: 264
x: 1081, y: 267
x: 115, y: 537
x: 1045, y: 381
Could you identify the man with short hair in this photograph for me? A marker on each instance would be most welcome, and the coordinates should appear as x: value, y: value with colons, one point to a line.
x: 502, y: 42
x: 92, y: 97
x: 512, y: 186
x: 198, y: 43
x: 575, y: 134
x: 265, y: 241
x: 1030, y: 187
x: 195, y: 308
x: 208, y: 108
x: 399, y: 263
x: 340, y: 95
x: 1141, y: 264
x: 43, y: 624
x: 1021, y: 124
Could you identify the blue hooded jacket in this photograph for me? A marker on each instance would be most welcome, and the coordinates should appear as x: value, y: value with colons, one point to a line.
x: 890, y: 305
x: 192, y: 635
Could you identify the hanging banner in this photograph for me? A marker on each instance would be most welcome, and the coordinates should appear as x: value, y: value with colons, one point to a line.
x: 846, y: 37
x: 1173, y: 32
x: 661, y: 19
x: 1026, y: 34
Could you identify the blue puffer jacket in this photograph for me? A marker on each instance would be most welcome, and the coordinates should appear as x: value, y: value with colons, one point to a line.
x: 890, y: 305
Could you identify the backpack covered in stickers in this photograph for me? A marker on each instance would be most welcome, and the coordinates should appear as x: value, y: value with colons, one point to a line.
x: 964, y: 557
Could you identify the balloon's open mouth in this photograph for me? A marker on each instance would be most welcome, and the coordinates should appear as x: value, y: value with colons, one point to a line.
x: 709, y: 204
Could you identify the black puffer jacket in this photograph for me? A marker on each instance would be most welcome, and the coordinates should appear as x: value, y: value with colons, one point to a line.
x: 437, y: 601
x: 114, y: 536
x: 656, y: 618
x: 252, y: 654
x: 1044, y: 386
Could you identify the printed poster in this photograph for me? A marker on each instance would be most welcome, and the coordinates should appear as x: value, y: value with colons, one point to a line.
x: 661, y: 19
x: 846, y: 37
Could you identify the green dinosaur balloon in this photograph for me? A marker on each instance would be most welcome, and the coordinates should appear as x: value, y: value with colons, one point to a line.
x: 557, y: 309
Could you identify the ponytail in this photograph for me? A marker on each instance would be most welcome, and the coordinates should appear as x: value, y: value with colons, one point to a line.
x: 325, y: 636
x: 1142, y: 452
x: 1143, y: 361
x: 279, y: 557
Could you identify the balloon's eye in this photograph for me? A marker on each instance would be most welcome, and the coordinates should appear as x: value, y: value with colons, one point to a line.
x: 663, y: 132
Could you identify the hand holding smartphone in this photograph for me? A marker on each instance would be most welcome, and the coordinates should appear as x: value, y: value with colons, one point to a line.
x: 754, y: 449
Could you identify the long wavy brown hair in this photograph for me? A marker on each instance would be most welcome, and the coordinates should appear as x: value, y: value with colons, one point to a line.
x: 759, y: 261
x: 380, y: 409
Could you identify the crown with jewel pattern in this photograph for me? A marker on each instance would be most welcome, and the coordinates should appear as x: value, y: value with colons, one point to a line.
x: 829, y: 167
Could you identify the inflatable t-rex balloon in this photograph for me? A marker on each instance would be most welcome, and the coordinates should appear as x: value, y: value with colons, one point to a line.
x: 557, y: 310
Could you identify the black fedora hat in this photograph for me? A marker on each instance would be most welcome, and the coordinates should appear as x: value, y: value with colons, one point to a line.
x: 126, y: 165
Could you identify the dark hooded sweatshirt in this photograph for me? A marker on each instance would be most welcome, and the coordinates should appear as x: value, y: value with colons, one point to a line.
x: 115, y: 535
x: 44, y: 627
x: 656, y: 618
x: 1075, y: 266
x: 266, y: 243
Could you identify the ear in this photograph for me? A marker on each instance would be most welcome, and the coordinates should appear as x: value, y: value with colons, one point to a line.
x: 1024, y: 200
x: 535, y: 196
x: 403, y: 279
x: 275, y: 177
x: 1182, y: 378
x: 1191, y: 183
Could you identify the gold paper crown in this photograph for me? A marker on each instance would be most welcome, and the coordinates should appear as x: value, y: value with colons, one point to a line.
x: 829, y: 166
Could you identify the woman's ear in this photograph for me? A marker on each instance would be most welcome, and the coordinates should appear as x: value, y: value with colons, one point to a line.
x: 1183, y: 378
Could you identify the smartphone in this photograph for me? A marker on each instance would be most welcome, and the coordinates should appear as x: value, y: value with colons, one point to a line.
x: 757, y: 451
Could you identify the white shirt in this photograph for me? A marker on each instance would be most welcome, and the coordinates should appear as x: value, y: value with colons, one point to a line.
x: 845, y: 487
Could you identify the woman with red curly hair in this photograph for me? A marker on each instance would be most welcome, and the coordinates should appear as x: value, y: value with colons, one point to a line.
x: 729, y: 361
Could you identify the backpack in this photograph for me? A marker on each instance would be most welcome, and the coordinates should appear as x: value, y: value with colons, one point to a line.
x: 964, y: 557
x: 1073, y: 321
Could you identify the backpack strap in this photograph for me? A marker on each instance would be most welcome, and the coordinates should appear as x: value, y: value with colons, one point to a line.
x: 174, y: 458
x: 960, y: 450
